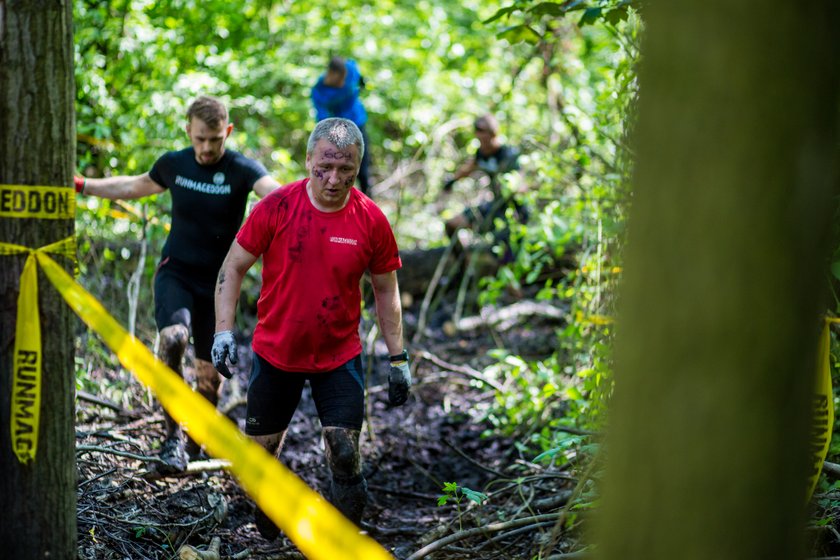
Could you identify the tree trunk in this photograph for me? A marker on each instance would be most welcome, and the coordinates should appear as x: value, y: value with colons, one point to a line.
x: 725, y: 274
x: 37, y: 498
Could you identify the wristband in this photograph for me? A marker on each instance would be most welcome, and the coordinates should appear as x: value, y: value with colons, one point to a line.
x: 401, y: 357
x: 79, y: 183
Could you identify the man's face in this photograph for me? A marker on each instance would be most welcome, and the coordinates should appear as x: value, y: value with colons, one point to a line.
x: 332, y: 172
x: 207, y: 141
x: 483, y: 133
x: 334, y: 79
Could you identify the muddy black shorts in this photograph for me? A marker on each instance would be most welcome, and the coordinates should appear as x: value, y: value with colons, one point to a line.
x: 185, y: 296
x: 273, y: 396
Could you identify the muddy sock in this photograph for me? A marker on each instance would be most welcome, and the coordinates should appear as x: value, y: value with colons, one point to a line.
x: 349, y: 496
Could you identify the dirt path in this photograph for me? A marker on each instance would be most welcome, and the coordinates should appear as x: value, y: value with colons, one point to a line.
x: 439, y: 436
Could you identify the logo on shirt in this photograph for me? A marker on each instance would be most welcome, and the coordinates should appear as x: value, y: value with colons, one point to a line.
x: 343, y: 240
x: 206, y: 188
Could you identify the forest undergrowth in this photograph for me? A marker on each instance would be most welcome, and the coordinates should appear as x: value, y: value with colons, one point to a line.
x: 446, y: 479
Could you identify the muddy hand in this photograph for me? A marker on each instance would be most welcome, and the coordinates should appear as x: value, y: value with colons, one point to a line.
x: 399, y: 380
x: 224, y: 347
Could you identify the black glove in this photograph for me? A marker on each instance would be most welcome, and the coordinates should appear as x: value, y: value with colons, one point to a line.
x: 399, y: 379
x: 224, y: 346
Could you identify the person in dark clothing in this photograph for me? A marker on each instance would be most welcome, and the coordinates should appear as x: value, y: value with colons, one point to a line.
x: 336, y: 94
x: 494, y: 159
x: 209, y: 186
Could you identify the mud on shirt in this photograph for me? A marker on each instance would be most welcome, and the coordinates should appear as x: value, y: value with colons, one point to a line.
x: 208, y: 203
x: 310, y: 302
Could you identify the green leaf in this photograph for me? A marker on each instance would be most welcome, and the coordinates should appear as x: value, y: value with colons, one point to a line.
x: 590, y: 16
x: 477, y: 497
x: 520, y: 33
x: 501, y: 13
x: 547, y: 454
x: 548, y: 9
x: 450, y: 487
x: 617, y: 15
x: 442, y: 500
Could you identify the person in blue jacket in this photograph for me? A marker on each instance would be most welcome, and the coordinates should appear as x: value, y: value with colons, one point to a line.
x: 336, y: 94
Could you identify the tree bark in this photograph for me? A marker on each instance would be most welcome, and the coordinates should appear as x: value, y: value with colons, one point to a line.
x: 37, y: 499
x: 724, y: 281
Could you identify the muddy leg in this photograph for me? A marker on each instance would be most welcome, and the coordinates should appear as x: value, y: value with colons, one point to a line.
x: 272, y: 443
x: 348, y: 488
x: 208, y: 382
x: 173, y: 344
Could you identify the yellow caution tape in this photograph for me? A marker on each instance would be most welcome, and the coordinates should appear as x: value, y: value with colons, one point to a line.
x: 25, y: 201
x: 315, y: 526
x: 26, y: 372
x: 823, y: 413
x: 26, y: 367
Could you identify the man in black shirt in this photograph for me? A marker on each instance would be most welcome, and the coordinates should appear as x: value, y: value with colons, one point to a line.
x: 209, y: 186
x: 495, y: 159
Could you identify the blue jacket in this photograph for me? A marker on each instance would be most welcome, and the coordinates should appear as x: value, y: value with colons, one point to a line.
x: 340, y: 102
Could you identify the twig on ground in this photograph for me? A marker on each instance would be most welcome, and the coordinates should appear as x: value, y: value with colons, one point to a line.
x: 98, y: 449
x: 94, y: 399
x: 490, y: 528
x: 466, y: 370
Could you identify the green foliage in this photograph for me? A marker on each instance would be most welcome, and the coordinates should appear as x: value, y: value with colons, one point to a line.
x: 559, y: 75
x: 455, y: 493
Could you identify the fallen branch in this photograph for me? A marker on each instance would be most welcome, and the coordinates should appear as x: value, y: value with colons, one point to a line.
x: 109, y: 451
x: 831, y: 469
x: 481, y: 531
x: 466, y: 370
x: 84, y: 396
x: 506, y: 317
x: 208, y: 466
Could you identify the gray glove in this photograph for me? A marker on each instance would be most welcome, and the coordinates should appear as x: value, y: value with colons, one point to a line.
x: 399, y: 379
x: 224, y: 346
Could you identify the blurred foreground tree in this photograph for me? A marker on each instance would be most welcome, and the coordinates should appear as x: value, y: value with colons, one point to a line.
x: 37, y: 497
x: 719, y: 313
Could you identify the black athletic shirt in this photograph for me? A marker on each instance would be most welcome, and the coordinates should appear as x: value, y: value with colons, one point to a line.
x: 208, y: 204
x: 503, y: 160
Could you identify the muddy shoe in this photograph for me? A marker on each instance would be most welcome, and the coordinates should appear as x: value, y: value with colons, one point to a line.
x: 265, y: 526
x: 194, y: 451
x: 173, y: 456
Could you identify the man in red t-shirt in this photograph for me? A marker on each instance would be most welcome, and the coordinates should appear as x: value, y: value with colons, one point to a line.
x: 317, y: 236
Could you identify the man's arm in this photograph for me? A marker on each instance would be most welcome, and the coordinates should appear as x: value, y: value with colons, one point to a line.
x: 386, y: 293
x: 464, y: 171
x: 265, y: 185
x: 229, y: 282
x: 123, y: 187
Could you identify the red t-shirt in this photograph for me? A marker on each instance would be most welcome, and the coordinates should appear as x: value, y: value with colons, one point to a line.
x: 310, y: 303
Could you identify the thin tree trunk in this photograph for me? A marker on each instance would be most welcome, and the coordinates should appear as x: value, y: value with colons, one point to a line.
x: 725, y: 274
x: 37, y: 499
